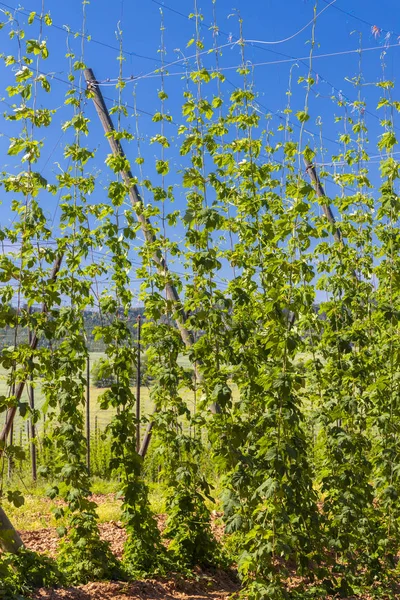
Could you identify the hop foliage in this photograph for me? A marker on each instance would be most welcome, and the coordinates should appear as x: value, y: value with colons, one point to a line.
x: 296, y: 406
x: 21, y: 573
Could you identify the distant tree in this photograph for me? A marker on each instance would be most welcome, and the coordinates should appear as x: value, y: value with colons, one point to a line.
x: 103, y: 375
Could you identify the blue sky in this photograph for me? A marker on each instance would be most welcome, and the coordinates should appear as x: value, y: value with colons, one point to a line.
x: 337, y: 33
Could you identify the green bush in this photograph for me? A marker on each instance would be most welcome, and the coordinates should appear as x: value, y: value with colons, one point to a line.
x: 103, y: 376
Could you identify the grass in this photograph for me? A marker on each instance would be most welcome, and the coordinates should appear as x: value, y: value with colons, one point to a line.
x: 34, y: 515
x: 37, y: 511
x: 98, y: 417
x: 109, y: 511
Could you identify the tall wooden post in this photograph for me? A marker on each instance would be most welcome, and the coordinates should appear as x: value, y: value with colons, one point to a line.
x: 134, y: 195
x: 10, y: 540
x: 10, y: 459
x: 11, y: 437
x: 32, y: 427
x: 133, y: 192
x: 319, y: 190
x: 11, y: 412
x: 138, y: 384
x: 88, y: 413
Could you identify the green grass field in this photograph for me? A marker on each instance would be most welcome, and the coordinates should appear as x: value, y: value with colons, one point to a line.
x: 98, y: 417
x: 37, y: 510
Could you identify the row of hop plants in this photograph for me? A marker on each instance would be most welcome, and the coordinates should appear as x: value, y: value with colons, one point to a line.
x: 307, y: 449
x: 19, y: 457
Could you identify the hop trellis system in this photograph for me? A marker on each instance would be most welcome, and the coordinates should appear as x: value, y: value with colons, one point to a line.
x: 307, y: 449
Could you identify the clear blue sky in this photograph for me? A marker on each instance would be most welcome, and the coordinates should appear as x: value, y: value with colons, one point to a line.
x: 338, y: 30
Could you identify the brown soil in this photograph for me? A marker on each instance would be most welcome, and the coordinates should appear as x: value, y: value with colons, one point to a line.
x: 204, y: 586
x: 216, y: 587
x: 46, y: 540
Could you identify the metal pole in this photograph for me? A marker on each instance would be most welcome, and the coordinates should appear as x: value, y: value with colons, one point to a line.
x: 96, y: 444
x: 138, y: 384
x: 88, y: 413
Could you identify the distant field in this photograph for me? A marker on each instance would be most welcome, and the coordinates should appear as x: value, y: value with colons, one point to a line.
x: 98, y: 417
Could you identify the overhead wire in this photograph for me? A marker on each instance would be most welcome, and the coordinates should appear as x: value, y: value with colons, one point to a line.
x: 254, y: 43
x: 361, y: 20
x: 239, y: 41
x: 153, y: 74
x: 88, y: 38
x: 295, y: 34
x: 255, y: 64
x: 300, y: 60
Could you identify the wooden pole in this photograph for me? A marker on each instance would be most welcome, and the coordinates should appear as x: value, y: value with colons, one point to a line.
x: 11, y: 437
x: 132, y: 189
x: 10, y: 540
x: 10, y: 459
x: 88, y: 414
x: 31, y: 426
x: 319, y: 190
x: 134, y: 195
x: 138, y: 384
x: 20, y: 387
x: 21, y: 442
x: 147, y: 438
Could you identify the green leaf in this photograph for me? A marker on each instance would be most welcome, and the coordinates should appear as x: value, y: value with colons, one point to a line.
x: 302, y: 116
x: 162, y: 167
x: 15, y: 498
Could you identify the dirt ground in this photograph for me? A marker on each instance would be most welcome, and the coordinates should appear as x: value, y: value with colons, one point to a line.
x: 204, y: 586
x: 217, y: 587
x: 46, y: 540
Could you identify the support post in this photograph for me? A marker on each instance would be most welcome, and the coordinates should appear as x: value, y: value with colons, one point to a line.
x: 319, y: 190
x: 31, y: 426
x: 11, y: 412
x: 88, y: 414
x: 10, y: 540
x: 10, y: 460
x: 138, y: 383
x: 133, y: 192
x: 136, y: 200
